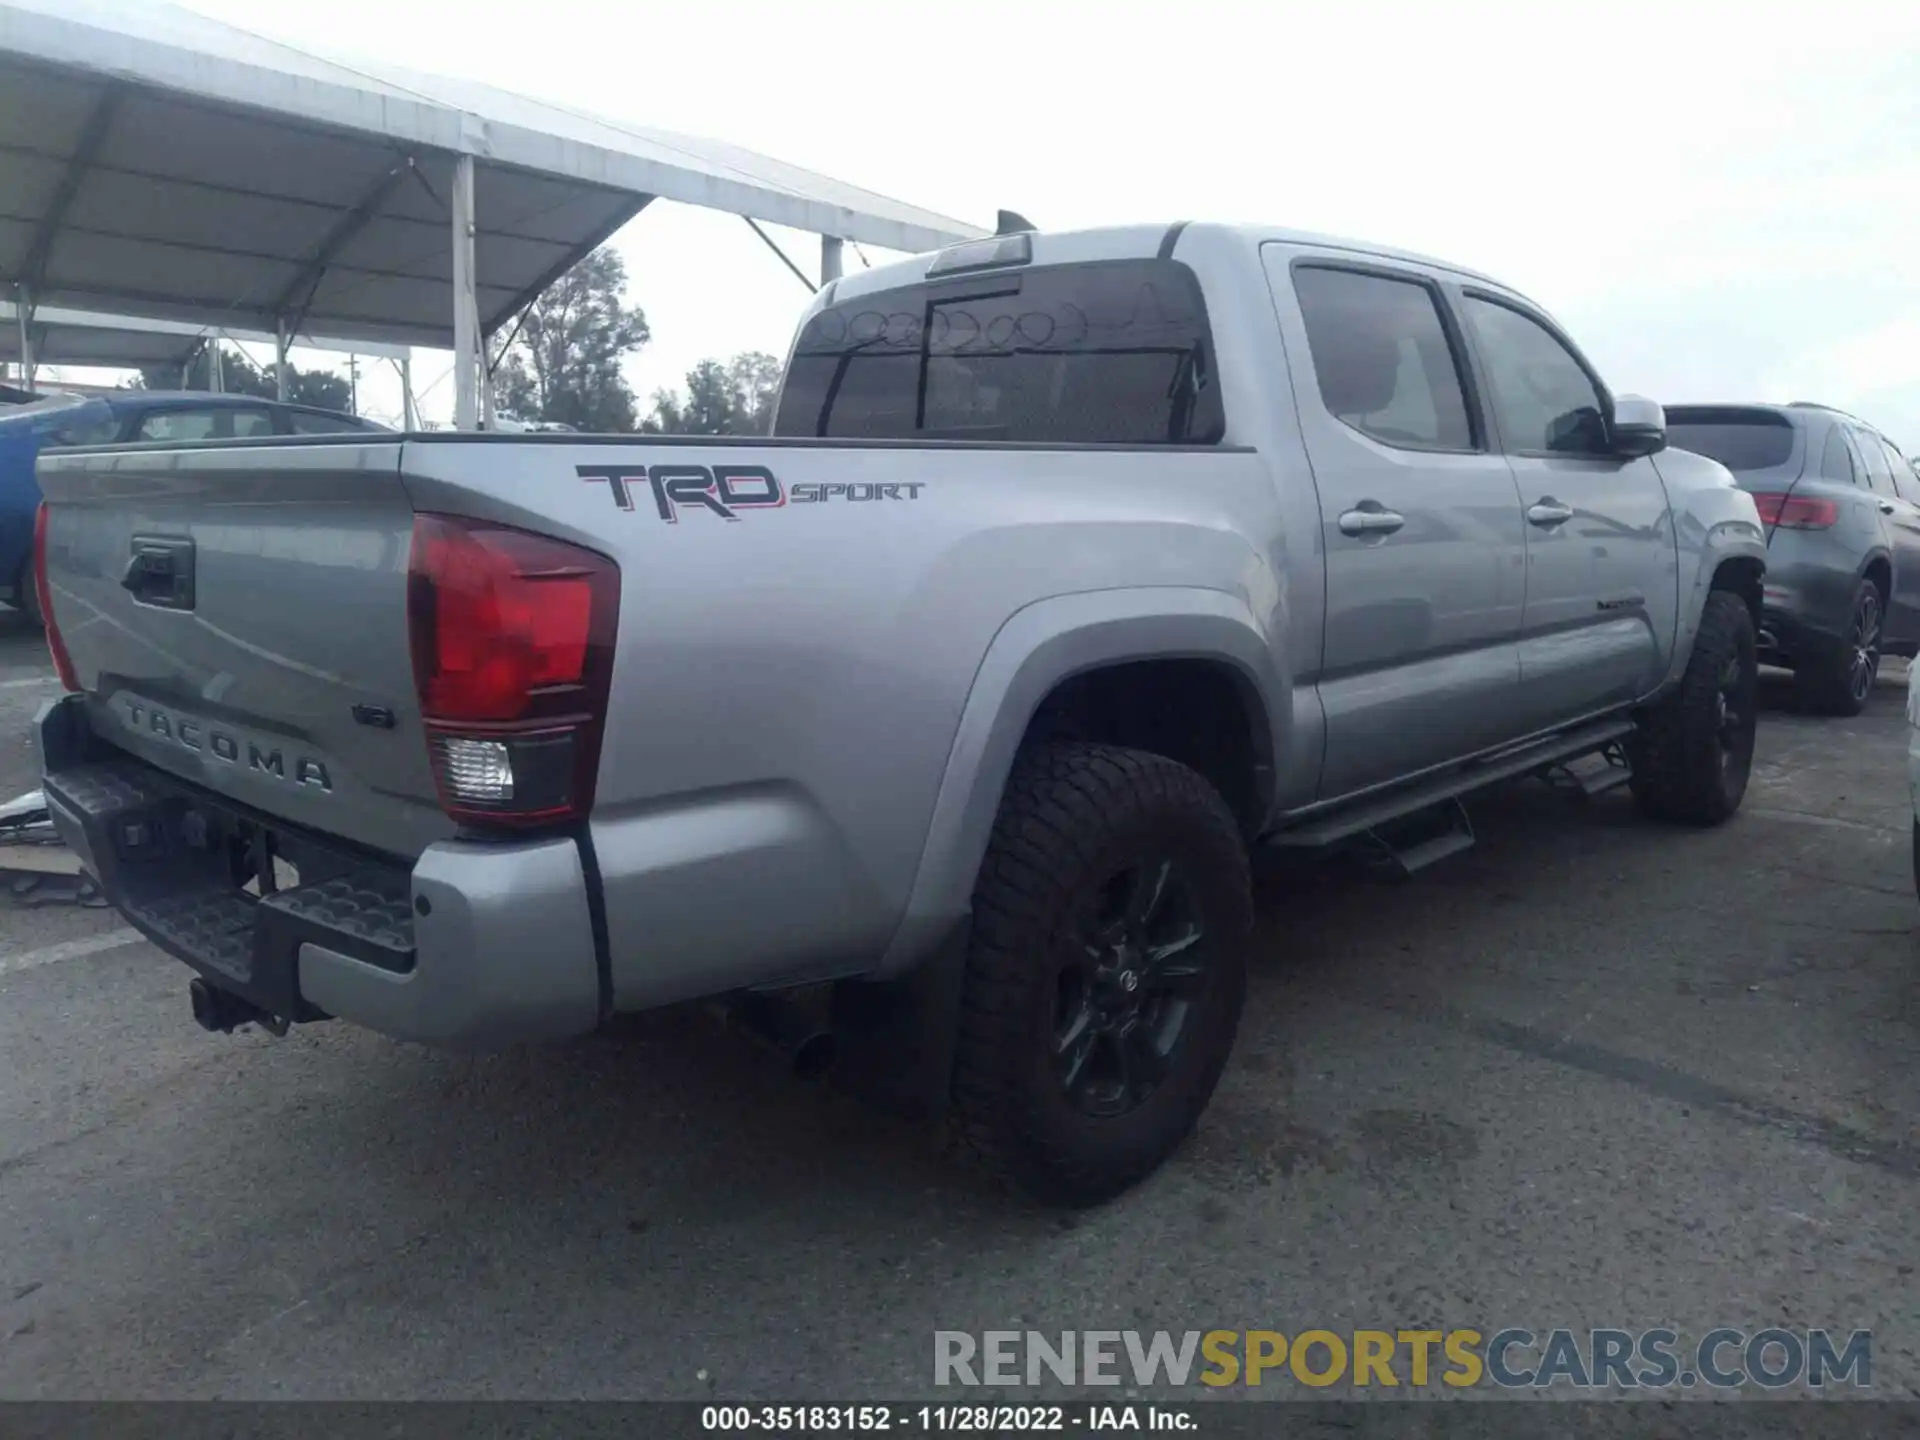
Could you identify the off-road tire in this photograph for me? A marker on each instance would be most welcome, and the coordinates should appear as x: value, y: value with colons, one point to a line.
x: 1681, y: 772
x: 1073, y: 816
x: 1824, y: 677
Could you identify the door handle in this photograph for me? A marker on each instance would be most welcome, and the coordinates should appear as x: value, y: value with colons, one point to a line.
x: 159, y: 572
x: 1549, y: 511
x: 1369, y: 519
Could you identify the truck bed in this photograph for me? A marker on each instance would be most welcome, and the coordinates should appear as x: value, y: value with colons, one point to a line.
x: 800, y: 624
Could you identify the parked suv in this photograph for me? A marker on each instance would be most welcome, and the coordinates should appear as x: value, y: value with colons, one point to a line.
x: 1841, y: 504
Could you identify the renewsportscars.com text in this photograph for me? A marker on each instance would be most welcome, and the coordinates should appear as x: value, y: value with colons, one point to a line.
x: 1601, y: 1359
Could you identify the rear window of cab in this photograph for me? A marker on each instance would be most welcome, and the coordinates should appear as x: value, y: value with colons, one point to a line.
x: 1111, y: 352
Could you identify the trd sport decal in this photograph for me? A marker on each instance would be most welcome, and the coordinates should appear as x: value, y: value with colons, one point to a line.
x: 726, y: 489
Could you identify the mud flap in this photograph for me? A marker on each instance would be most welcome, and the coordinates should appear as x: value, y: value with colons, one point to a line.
x: 896, y: 1038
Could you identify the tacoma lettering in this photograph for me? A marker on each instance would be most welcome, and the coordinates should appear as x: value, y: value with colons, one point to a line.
x: 308, y: 771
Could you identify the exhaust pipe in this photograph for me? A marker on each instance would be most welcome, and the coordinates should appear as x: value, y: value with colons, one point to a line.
x: 778, y: 1022
x: 219, y: 1010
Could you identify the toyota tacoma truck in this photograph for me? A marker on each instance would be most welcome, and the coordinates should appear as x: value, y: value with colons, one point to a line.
x: 938, y: 725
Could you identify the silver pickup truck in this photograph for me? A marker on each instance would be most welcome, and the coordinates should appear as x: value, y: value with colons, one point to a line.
x: 930, y: 734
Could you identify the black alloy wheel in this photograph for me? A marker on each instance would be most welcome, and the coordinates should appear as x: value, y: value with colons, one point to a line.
x: 1126, y: 998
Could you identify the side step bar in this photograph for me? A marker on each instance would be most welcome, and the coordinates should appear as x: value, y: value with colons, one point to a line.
x: 1501, y: 765
x: 1584, y: 779
x: 1407, y: 846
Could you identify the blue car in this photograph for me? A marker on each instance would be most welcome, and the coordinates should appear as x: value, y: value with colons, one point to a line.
x: 119, y: 417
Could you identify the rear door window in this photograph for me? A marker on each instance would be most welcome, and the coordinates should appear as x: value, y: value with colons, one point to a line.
x: 1836, y: 458
x: 97, y: 427
x: 1879, y: 473
x: 60, y: 420
x: 1382, y: 358
x: 192, y: 422
x: 1110, y: 352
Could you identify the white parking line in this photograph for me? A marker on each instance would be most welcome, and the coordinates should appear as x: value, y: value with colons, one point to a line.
x: 23, y: 681
x: 70, y: 950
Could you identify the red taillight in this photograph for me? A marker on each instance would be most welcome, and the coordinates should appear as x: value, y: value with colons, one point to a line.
x: 43, y: 592
x: 512, y: 639
x: 1796, y: 512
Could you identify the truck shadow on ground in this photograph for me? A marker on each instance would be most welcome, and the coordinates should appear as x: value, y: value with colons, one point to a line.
x: 668, y: 1165
x: 684, y: 1119
x: 690, y: 1123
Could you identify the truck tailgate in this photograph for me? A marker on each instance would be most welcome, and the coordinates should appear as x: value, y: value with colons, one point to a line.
x: 237, y: 616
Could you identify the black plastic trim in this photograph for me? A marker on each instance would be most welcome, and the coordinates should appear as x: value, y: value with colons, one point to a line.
x: 597, y: 916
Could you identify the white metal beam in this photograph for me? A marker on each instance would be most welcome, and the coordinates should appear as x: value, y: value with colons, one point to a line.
x: 466, y: 307
x: 49, y: 317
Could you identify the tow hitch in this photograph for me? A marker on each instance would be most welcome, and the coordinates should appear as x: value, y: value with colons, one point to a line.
x: 217, y: 1009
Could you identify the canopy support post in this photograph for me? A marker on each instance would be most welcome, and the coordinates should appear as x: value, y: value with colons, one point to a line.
x: 466, y: 305
x: 829, y: 259
x: 282, y: 381
x: 23, y: 311
x: 216, y: 372
x: 409, y: 417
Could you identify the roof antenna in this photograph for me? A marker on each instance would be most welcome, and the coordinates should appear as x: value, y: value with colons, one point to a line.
x: 1011, y: 222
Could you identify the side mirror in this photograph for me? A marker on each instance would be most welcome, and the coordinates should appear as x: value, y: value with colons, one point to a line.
x: 1638, y: 427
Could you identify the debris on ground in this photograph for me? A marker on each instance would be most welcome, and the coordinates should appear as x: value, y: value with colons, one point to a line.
x: 35, y: 867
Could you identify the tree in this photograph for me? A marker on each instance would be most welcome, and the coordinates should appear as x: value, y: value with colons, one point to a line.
x: 564, y: 362
x: 321, y: 389
x: 240, y: 376
x: 735, y: 398
x: 755, y: 377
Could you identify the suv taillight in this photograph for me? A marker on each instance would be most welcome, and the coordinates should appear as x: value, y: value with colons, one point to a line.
x: 43, y: 592
x: 1796, y: 512
x: 512, y: 637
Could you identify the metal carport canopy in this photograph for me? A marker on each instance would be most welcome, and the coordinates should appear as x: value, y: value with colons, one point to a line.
x: 81, y: 337
x: 58, y: 336
x: 156, y: 162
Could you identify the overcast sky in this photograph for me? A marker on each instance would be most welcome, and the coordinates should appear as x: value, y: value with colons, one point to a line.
x: 1718, y: 201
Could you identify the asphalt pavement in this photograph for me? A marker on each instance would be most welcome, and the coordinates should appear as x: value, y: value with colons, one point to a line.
x: 1593, y: 1072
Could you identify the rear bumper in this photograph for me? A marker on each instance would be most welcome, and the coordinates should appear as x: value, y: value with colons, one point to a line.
x: 473, y: 947
x: 1807, y: 597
